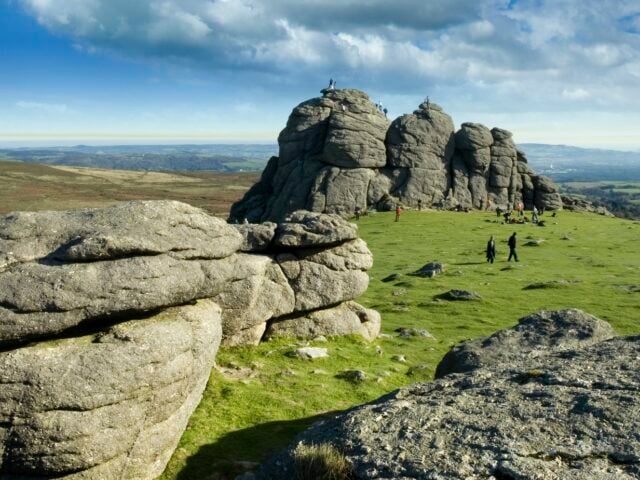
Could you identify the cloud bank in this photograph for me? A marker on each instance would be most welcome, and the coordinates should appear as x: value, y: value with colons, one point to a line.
x: 574, y: 53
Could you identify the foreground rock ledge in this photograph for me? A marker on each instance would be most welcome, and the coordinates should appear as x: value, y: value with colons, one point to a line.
x: 107, y: 406
x: 569, y: 409
x: 92, y: 268
x: 110, y: 320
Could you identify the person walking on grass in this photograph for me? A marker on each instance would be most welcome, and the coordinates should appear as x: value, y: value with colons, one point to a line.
x: 491, y: 250
x: 357, y: 212
x: 398, y: 213
x: 512, y: 247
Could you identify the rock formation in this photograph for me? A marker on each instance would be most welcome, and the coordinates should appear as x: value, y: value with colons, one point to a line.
x: 576, y: 203
x: 557, y: 396
x: 339, y: 152
x: 110, y: 320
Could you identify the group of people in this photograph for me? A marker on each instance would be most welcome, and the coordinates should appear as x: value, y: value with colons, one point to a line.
x: 521, y: 217
x: 491, y: 248
x: 381, y: 108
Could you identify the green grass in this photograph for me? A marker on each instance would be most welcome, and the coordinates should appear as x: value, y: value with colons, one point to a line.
x: 246, y: 420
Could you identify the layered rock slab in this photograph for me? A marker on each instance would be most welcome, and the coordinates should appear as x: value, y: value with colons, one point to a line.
x: 349, y: 318
x: 110, y: 405
x: 566, y: 412
x: 63, y: 269
x: 110, y: 320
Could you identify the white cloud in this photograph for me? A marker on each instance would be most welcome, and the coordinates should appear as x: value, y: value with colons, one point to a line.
x: 43, y: 107
x: 548, y: 53
x: 575, y: 94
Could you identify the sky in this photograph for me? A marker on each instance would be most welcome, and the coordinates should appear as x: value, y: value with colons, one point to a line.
x: 215, y: 71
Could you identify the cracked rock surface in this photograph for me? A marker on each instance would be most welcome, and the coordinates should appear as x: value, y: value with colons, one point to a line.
x: 110, y: 320
x: 571, y: 410
x: 109, y: 405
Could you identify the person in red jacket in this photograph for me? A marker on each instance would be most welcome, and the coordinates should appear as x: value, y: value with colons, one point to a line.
x: 398, y: 213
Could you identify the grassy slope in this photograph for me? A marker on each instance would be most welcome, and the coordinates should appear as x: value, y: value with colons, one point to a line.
x: 26, y: 186
x: 244, y: 420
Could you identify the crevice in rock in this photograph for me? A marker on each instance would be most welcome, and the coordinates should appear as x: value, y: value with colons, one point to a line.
x: 90, y: 326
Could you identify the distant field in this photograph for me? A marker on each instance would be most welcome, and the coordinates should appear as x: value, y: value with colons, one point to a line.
x: 42, y: 187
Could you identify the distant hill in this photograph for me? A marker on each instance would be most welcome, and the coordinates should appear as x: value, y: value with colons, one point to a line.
x: 565, y: 163
x: 223, y: 158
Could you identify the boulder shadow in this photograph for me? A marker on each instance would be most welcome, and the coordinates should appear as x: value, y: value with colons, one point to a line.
x: 243, y: 450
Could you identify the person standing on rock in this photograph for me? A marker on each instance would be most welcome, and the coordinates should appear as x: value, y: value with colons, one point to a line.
x: 385, y: 111
x: 491, y: 250
x: 512, y: 248
x: 398, y: 213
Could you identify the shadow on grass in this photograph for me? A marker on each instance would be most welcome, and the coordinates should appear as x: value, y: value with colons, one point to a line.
x: 239, y: 451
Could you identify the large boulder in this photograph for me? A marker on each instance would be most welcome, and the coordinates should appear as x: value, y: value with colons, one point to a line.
x: 565, y: 413
x: 535, y: 335
x: 257, y: 237
x: 348, y: 318
x: 309, y: 229
x: 63, y: 269
x: 125, y: 230
x: 325, y: 277
x: 473, y: 143
x: 502, y: 177
x: 110, y: 320
x: 256, y: 290
x: 546, y: 195
x: 424, y: 143
x: 356, y: 131
x: 340, y: 191
x: 340, y: 129
x: 108, y: 405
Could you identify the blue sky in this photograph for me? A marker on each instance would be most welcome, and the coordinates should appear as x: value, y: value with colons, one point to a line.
x: 207, y: 71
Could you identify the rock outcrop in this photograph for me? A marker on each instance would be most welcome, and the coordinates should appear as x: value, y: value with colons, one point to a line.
x: 339, y: 152
x: 576, y: 203
x: 110, y: 320
x: 108, y: 405
x: 557, y: 396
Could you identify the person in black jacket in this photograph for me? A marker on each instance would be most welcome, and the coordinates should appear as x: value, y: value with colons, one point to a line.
x: 512, y: 247
x: 491, y: 250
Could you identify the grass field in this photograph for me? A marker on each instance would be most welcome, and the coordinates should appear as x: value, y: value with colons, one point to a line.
x: 241, y: 420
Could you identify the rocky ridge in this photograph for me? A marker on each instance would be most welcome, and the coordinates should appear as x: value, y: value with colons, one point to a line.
x: 557, y: 396
x: 110, y: 320
x: 339, y: 152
